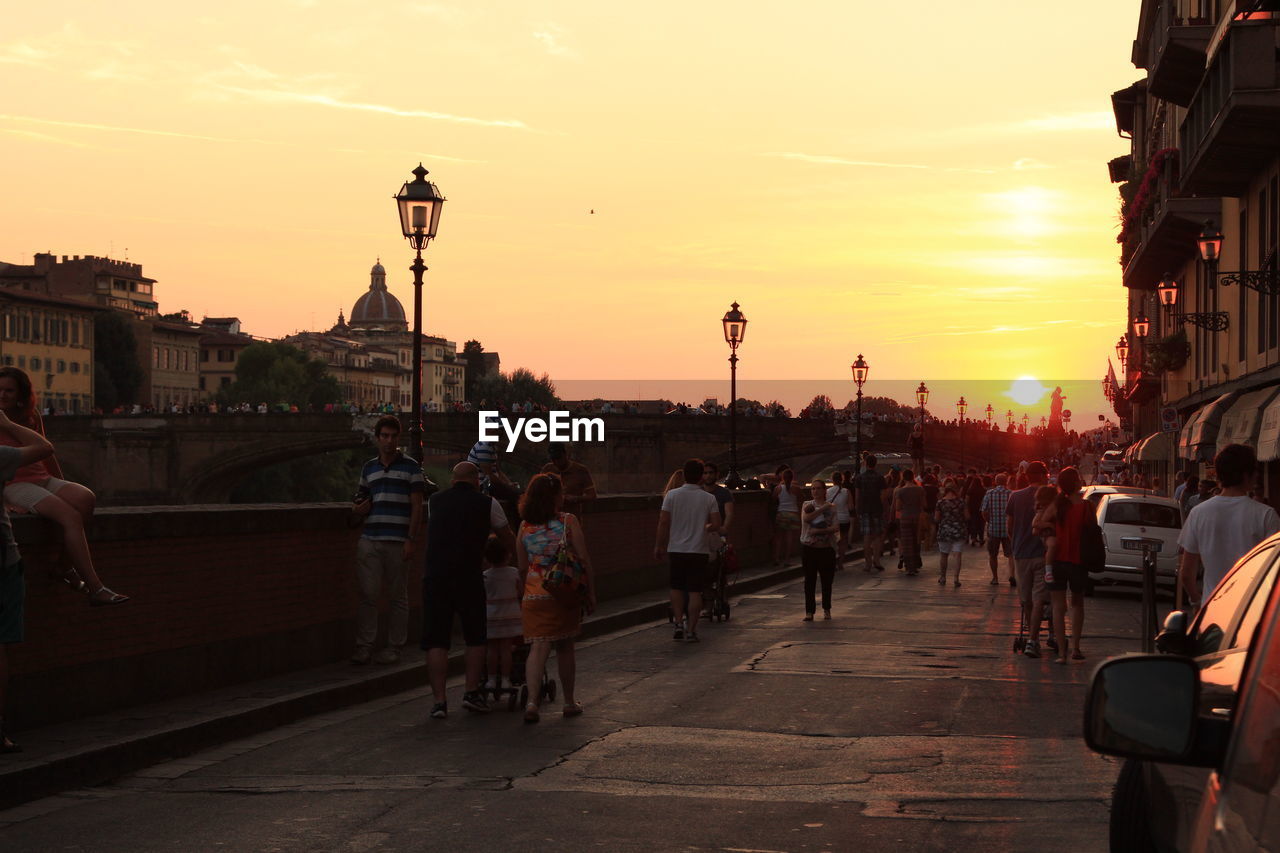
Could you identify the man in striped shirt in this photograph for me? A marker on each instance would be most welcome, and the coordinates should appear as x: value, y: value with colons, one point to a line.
x: 389, y: 498
x: 995, y: 508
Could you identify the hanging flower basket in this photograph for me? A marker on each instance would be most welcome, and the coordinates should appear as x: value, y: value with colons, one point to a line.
x: 1167, y: 354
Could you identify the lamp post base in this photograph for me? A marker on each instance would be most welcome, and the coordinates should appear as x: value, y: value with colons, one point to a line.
x: 734, y: 480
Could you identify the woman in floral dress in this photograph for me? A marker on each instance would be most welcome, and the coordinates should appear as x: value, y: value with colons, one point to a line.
x: 950, y: 515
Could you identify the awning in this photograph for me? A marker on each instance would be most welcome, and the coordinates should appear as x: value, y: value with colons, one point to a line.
x: 1240, y: 424
x: 1131, y: 452
x: 1156, y: 448
x: 1269, y: 433
x: 1199, y: 439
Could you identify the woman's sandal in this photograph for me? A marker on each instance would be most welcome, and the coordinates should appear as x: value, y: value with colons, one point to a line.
x: 942, y: 580
x: 573, y: 710
x: 1077, y: 655
x: 102, y: 597
x: 531, y: 713
x: 957, y: 582
x: 72, y: 579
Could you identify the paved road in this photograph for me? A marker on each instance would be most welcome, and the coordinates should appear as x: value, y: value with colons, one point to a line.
x: 905, y: 723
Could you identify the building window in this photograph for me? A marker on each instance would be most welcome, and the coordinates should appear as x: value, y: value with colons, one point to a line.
x: 75, y: 367
x: 8, y: 360
x: 22, y: 361
x: 26, y: 326
x: 75, y: 333
x: 35, y: 363
x: 62, y: 366
x: 155, y: 356
x: 201, y: 383
x: 35, y: 327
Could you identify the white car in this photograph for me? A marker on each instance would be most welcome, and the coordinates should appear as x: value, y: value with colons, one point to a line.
x: 1094, y: 494
x: 1111, y: 461
x: 1149, y: 516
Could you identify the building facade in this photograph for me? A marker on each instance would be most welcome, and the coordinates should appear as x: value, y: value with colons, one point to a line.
x: 220, y: 348
x: 52, y: 340
x: 170, y: 354
x: 1204, y: 160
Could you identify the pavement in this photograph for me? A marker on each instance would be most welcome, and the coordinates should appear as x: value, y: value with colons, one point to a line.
x: 903, y: 723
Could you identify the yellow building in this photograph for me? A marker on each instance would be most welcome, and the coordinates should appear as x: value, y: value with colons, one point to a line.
x: 1203, y: 161
x: 220, y: 349
x: 170, y: 352
x: 50, y: 338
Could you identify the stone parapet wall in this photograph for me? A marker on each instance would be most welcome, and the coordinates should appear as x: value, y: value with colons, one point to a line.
x: 223, y: 594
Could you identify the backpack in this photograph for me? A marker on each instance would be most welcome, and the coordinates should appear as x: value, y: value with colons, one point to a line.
x: 1093, y: 551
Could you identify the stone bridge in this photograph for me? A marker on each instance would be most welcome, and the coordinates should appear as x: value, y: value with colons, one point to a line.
x: 184, y: 459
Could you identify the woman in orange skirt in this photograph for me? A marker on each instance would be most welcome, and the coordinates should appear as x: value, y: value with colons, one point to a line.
x: 547, y: 623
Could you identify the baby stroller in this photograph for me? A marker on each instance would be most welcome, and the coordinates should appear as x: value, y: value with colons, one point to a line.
x: 724, y: 576
x: 1046, y: 630
x: 517, y: 695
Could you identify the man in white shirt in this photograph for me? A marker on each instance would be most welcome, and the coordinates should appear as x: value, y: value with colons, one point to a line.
x: 1222, y: 529
x: 688, y: 514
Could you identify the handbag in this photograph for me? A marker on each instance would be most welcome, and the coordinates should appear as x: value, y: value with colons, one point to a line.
x: 1093, y: 551
x: 566, y: 579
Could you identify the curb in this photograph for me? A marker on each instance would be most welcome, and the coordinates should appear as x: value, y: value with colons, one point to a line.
x: 100, y: 762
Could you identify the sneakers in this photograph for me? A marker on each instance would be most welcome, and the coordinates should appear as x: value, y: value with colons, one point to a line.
x: 475, y: 702
x: 362, y: 656
x: 693, y: 637
x: 1051, y: 644
x: 1032, y: 649
x: 808, y: 617
x: 439, y: 711
x: 826, y: 614
x: 678, y: 635
x: 387, y: 655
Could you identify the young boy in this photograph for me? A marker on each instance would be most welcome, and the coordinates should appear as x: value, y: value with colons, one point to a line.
x: 502, y: 610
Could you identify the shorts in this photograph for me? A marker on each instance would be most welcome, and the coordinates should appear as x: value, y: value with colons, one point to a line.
x: 787, y: 521
x: 844, y: 531
x: 27, y: 495
x: 13, y: 601
x: 1068, y: 576
x: 872, y: 523
x: 689, y: 571
x: 950, y: 547
x: 995, y: 543
x: 1030, y: 575
x: 443, y: 597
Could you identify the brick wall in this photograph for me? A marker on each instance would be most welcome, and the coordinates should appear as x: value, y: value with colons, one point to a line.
x: 223, y: 594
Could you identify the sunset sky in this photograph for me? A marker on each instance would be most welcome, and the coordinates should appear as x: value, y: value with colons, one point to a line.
x: 924, y: 183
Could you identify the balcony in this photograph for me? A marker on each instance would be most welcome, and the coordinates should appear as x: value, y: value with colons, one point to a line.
x: 1233, y: 121
x: 1175, y: 53
x: 1168, y: 239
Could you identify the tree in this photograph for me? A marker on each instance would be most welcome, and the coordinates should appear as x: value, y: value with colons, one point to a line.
x: 516, y: 387
x: 274, y: 372
x: 883, y: 406
x: 777, y: 410
x: 115, y: 350
x: 473, y: 355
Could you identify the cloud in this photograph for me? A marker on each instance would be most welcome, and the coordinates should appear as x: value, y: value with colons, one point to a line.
x: 1028, y: 163
x: 21, y: 53
x: 43, y: 137
x: 550, y: 35
x: 279, y: 96
x: 828, y: 160
x: 1099, y: 120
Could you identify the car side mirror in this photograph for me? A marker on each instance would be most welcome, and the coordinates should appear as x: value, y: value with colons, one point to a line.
x: 1173, y: 639
x: 1144, y: 706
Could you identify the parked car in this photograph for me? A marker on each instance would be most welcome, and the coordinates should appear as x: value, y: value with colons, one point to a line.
x: 1094, y: 494
x: 1121, y: 515
x: 1111, y: 461
x: 1198, y: 725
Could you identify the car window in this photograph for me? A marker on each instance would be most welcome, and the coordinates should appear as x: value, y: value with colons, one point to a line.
x: 1249, y: 622
x: 1142, y: 514
x: 1226, y: 601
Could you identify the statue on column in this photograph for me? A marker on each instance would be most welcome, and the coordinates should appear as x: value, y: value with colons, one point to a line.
x: 1055, y: 410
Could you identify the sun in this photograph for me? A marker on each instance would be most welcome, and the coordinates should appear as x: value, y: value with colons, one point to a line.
x: 1026, y: 391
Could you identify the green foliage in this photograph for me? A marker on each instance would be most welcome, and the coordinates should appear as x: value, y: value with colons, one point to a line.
x: 115, y: 350
x: 473, y: 356
x: 883, y: 406
x: 324, y: 477
x: 273, y: 372
x: 516, y: 387
x: 1168, y: 353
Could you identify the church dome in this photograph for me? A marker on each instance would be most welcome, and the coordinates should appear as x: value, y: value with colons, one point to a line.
x: 377, y: 308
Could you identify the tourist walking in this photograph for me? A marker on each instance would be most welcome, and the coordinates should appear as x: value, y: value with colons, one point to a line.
x: 545, y: 530
x: 908, y: 504
x: 688, y: 514
x: 974, y: 492
x: 503, y: 626
x: 579, y: 488
x: 787, y: 497
x: 389, y: 501
x: 1028, y: 558
x: 950, y: 516
x: 1067, y: 516
x: 842, y: 499
x: 1222, y: 529
x: 870, y: 486
x: 38, y: 488
x: 995, y: 508
x: 459, y: 521
x: 818, y: 535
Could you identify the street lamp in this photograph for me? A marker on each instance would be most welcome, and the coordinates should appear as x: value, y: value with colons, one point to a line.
x: 419, y: 203
x: 1210, y: 245
x: 1142, y: 326
x: 961, y: 408
x: 1122, y: 353
x: 922, y: 397
x: 1008, y: 417
x: 735, y: 329
x: 1213, y: 321
x: 1025, y: 418
x: 991, y: 435
x: 860, y: 371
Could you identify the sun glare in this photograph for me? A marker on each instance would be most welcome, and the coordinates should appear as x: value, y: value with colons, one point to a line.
x: 1026, y: 391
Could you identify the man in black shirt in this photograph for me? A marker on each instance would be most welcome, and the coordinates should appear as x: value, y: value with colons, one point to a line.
x: 459, y: 522
x: 871, y: 514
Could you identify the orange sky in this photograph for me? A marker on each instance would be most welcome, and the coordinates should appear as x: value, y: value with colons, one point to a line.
x: 925, y: 184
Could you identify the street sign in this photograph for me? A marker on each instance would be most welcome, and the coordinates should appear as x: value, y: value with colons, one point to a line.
x: 1169, y: 420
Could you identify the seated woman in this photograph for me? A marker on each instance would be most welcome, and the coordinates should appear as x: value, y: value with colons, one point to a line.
x: 39, y: 488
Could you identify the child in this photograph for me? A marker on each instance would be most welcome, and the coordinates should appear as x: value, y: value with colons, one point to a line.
x: 1043, y: 526
x: 502, y: 610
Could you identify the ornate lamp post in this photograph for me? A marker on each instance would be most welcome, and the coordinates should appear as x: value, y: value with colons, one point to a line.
x: 961, y: 408
x: 1025, y: 418
x: 1122, y: 353
x: 1008, y: 417
x: 1213, y: 321
x: 922, y: 397
x: 420, y: 204
x: 735, y: 329
x: 1210, y: 245
x: 991, y: 414
x: 860, y: 371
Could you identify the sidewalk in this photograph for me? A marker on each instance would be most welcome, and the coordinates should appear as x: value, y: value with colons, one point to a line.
x: 96, y: 749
